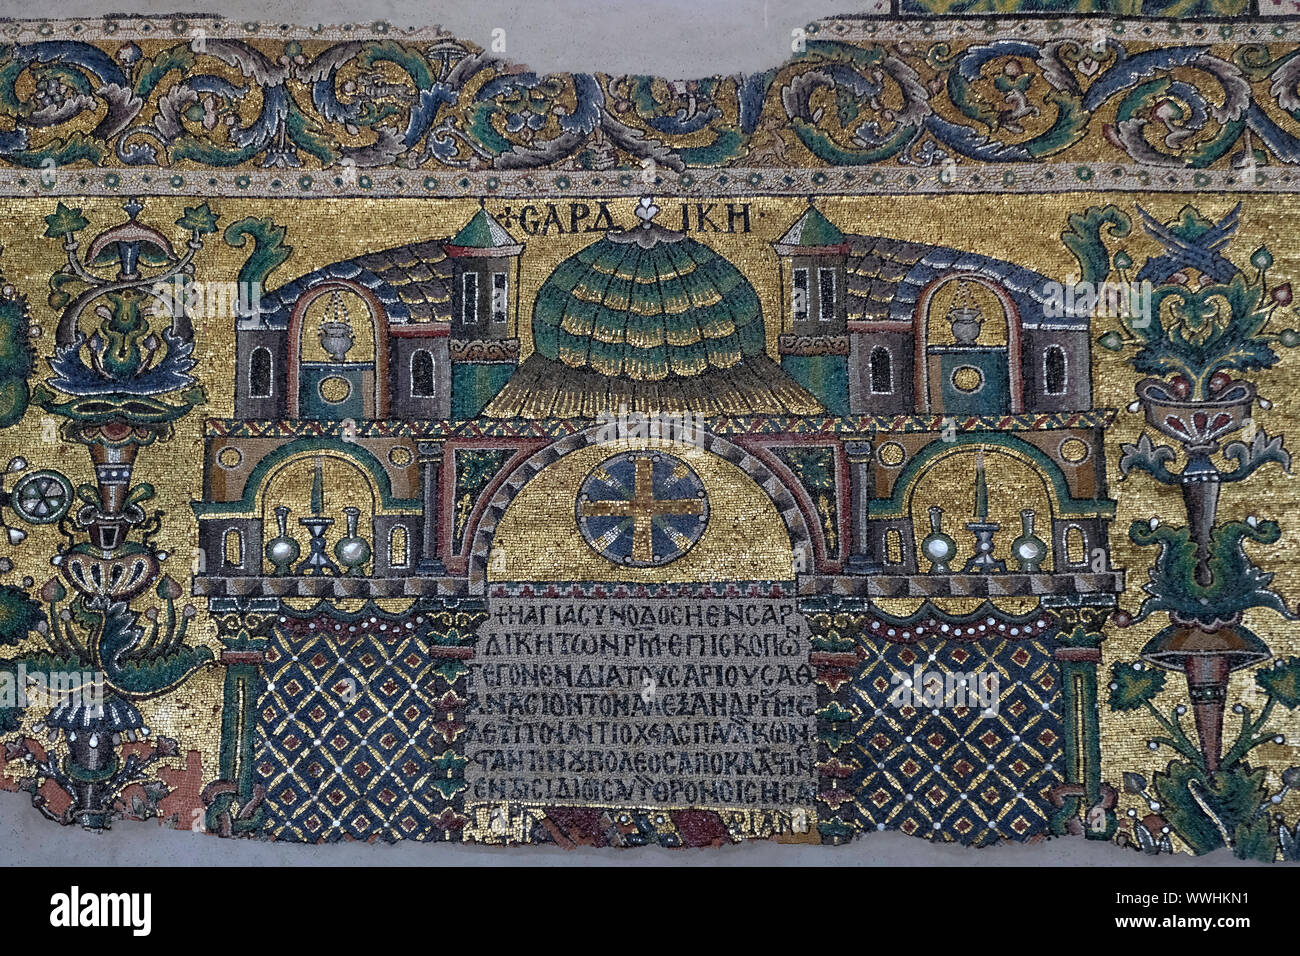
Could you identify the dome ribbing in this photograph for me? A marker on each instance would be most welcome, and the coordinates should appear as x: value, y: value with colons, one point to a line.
x: 648, y: 319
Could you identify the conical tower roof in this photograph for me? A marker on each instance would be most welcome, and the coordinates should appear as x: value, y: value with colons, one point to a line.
x: 812, y: 230
x: 483, y: 235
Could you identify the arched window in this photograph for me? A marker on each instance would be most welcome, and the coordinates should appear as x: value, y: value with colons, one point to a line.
x: 893, y: 546
x: 232, y: 546
x: 421, y: 374
x: 259, y: 373
x: 882, y: 371
x: 1076, y: 547
x: 398, y: 552
x: 1054, y: 376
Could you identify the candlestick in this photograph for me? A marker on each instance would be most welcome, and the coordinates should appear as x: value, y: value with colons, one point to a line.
x: 317, y: 489
x: 983, y: 562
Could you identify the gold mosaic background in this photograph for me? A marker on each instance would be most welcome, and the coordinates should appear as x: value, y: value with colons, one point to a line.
x: 1024, y: 229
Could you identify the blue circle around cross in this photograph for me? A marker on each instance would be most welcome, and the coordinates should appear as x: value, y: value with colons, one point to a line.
x: 642, y: 509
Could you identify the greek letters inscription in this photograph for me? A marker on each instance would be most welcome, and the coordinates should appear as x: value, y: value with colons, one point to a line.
x: 663, y: 702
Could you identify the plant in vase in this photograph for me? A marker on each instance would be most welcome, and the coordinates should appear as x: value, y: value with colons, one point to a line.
x: 97, y: 663
x: 1205, y: 321
x: 1230, y: 806
x: 121, y: 378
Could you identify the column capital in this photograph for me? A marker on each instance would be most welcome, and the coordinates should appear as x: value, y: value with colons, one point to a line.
x: 1089, y: 620
x: 429, y: 451
x: 858, y: 449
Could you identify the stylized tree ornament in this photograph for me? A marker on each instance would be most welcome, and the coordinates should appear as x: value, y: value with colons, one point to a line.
x: 1206, y: 321
x: 121, y: 377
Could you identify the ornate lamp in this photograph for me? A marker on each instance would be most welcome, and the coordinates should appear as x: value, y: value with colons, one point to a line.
x: 965, y: 316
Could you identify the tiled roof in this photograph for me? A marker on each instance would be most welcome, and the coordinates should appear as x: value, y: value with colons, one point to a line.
x: 483, y: 232
x: 410, y: 281
x: 886, y: 278
x: 812, y: 230
x: 653, y: 320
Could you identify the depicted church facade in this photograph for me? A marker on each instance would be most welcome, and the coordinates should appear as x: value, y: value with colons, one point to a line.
x: 425, y: 333
x: 388, y: 428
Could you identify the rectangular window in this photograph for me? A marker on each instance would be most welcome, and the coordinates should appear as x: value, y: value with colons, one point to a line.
x: 233, y: 548
x: 259, y: 373
x: 826, y: 294
x: 893, y: 546
x: 882, y: 371
x: 398, y: 556
x: 469, y: 299
x: 1054, y: 370
x: 500, y: 297
x: 799, y: 296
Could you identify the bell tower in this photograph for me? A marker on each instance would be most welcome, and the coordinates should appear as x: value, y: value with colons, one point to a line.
x: 484, y: 345
x: 814, y: 343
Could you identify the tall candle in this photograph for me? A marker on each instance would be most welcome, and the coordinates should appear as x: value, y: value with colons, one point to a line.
x: 317, y: 489
x: 981, y: 488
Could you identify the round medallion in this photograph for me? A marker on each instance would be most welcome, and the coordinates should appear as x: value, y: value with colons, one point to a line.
x: 642, y: 509
x: 335, y: 389
x: 1074, y: 450
x: 891, y: 454
x: 967, y: 378
x: 42, y: 497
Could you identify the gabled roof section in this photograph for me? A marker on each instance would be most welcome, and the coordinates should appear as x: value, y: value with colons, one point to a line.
x: 885, y: 278
x: 482, y: 236
x: 410, y: 281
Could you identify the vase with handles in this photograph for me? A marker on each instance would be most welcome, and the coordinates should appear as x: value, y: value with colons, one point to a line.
x: 1029, y: 550
x: 938, y: 548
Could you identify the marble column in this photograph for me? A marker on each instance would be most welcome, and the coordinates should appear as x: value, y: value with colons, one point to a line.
x: 430, y: 461
x: 861, y: 557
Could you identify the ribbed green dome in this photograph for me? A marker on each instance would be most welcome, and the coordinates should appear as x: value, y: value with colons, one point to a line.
x: 647, y: 304
x: 648, y: 320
